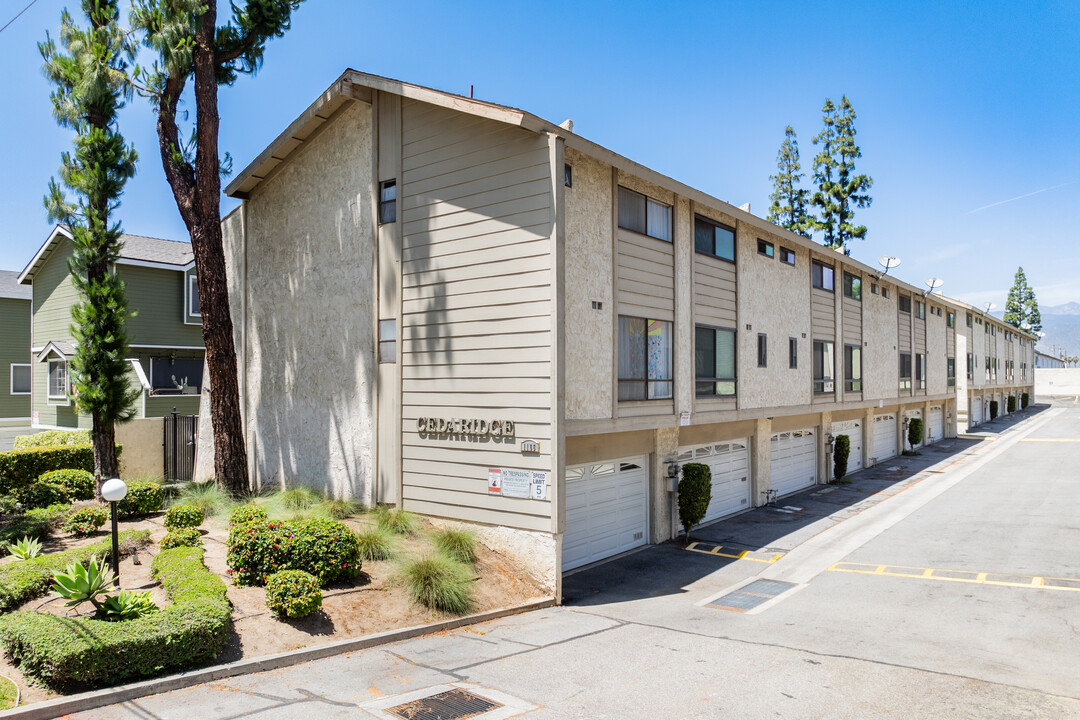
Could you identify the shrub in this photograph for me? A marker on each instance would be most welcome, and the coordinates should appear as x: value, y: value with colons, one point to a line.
x: 66, y: 652
x: 375, y: 544
x: 458, y: 544
x: 695, y: 492
x: 439, y: 583
x: 208, y: 497
x: 19, y: 468
x: 8, y: 505
x: 325, y: 548
x: 41, y: 494
x: 32, y: 578
x: 342, y: 509
x: 53, y: 438
x: 1010, y: 404
x: 914, y: 432
x: 38, y: 523
x: 841, y: 451
x: 299, y: 498
x: 993, y: 409
x: 183, y: 516
x: 181, y: 537
x: 80, y: 484
x: 293, y: 593
x: 143, y: 498
x: 246, y: 513
x: 87, y: 520
x: 395, y: 520
x: 1024, y: 399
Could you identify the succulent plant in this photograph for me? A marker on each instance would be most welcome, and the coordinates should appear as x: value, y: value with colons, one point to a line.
x: 126, y: 605
x: 25, y: 548
x: 81, y: 583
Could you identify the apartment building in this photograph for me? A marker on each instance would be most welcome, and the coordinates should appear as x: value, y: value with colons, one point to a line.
x: 478, y: 315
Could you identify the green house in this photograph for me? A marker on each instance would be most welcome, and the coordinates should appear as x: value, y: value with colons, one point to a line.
x: 165, y: 334
x: 14, y: 350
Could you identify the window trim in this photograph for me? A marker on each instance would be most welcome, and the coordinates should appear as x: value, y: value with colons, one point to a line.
x: 900, y: 302
x: 11, y: 378
x: 193, y: 294
x: 646, y: 380
x: 793, y: 353
x: 786, y: 253
x: 850, y: 383
x: 950, y: 371
x: 825, y: 379
x: 849, y: 286
x: 920, y: 371
x: 762, y: 350
x: 392, y: 204
x: 50, y: 398
x: 814, y: 264
x: 387, y: 346
x: 900, y: 371
x: 715, y: 224
x: 950, y: 320
x: 648, y: 199
x: 716, y: 380
x: 568, y: 175
x: 769, y: 251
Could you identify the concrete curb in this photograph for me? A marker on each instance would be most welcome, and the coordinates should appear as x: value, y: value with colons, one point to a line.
x: 97, y: 698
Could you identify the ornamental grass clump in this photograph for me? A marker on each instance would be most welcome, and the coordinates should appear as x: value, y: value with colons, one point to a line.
x: 375, y: 544
x: 86, y: 521
x: 326, y: 548
x: 183, y: 516
x: 246, y: 514
x: 181, y: 537
x: 341, y: 509
x: 293, y: 593
x: 439, y: 583
x: 208, y: 497
x: 395, y: 520
x: 457, y: 543
x: 79, y: 484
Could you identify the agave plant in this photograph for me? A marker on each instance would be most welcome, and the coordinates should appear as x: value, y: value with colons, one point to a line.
x: 81, y: 583
x: 126, y: 605
x: 25, y: 548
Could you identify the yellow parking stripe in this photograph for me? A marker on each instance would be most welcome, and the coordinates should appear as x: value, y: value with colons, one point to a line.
x: 964, y: 576
x: 721, y: 551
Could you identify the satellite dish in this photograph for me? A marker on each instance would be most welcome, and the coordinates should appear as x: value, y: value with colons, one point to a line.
x: 990, y: 306
x: 888, y: 262
x: 934, y: 283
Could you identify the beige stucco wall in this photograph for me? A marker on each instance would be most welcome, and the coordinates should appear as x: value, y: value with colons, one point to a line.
x: 880, y: 364
x: 684, y: 321
x: 143, y: 454
x: 309, y: 371
x: 937, y: 370
x: 588, y: 332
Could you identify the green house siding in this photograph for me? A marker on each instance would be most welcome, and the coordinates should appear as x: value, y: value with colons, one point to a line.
x: 14, y: 348
x: 158, y: 298
x: 52, y: 413
x: 53, y: 297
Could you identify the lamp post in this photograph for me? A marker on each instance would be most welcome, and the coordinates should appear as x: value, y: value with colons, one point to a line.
x: 114, y: 490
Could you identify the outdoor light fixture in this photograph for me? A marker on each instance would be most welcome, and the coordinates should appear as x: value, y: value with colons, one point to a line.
x: 114, y: 490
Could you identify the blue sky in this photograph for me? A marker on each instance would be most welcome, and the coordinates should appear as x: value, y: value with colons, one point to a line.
x: 967, y: 112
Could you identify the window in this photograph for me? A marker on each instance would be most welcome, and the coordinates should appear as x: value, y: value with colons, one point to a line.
x: 176, y: 375
x: 787, y: 256
x: 950, y: 365
x: 645, y: 367
x: 766, y: 249
x: 387, y: 201
x: 986, y: 328
x: 993, y: 330
x: 793, y: 353
x: 714, y: 362
x: 822, y: 275
x: 852, y: 368
x: 762, y: 350
x: 920, y: 309
x: 951, y: 321
x: 852, y: 286
x: 905, y: 303
x: 58, y: 379
x: 387, y: 341
x: 20, y: 379
x: 920, y: 371
x: 905, y: 371
x: 874, y: 288
x: 194, y: 306
x: 988, y: 368
x: 567, y: 175
x: 993, y: 371
x: 885, y: 292
x: 644, y: 215
x: 714, y: 239
x: 970, y: 320
x: 824, y: 366
x: 970, y: 366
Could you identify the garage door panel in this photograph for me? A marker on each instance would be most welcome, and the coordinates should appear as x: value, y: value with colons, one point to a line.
x: 794, y: 460
x: 937, y: 423
x: 884, y: 436
x: 606, y: 511
x: 729, y: 465
x: 854, y: 430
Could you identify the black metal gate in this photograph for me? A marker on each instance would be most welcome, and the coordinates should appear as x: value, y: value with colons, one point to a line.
x: 181, y: 432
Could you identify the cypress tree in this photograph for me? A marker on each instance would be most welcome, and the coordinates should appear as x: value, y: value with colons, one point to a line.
x: 87, y: 75
x: 825, y: 164
x: 788, y: 209
x: 1021, y: 307
x: 840, y: 188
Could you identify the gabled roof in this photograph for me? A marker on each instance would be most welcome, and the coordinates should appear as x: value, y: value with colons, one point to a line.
x: 62, y: 348
x: 10, y: 287
x: 136, y: 250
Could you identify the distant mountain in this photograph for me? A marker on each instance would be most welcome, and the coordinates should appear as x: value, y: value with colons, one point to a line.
x: 1071, y: 308
x: 1061, y: 323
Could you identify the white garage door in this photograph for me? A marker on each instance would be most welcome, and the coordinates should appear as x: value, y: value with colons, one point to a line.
x: 729, y: 463
x: 606, y: 510
x: 976, y: 411
x: 794, y: 460
x: 937, y: 423
x: 854, y: 430
x: 909, y: 415
x: 884, y: 437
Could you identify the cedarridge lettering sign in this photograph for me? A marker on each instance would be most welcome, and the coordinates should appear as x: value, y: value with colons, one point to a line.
x: 461, y: 426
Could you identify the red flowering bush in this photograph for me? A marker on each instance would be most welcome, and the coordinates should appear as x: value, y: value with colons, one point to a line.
x: 325, y: 548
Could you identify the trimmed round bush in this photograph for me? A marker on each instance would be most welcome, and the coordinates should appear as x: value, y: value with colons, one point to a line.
x: 143, y: 498
x: 993, y: 409
x: 183, y: 516
x: 841, y: 451
x: 293, y: 593
x: 695, y: 492
x: 86, y: 521
x: 246, y: 514
x: 326, y: 548
x: 181, y: 537
x: 1024, y: 399
x: 42, y: 494
x: 1010, y: 404
x: 914, y: 432
x: 79, y: 484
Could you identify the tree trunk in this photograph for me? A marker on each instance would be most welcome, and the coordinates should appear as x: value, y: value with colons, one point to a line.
x: 103, y: 437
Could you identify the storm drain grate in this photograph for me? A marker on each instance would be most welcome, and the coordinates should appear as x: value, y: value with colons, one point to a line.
x: 751, y: 596
x: 456, y: 704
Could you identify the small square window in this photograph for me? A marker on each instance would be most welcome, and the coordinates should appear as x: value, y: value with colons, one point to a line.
x: 20, y: 379
x: 387, y: 341
x: 387, y: 201
x: 762, y: 350
x: 568, y: 175
x: 885, y: 293
x: 874, y: 289
x: 766, y: 248
x: 787, y: 256
x: 793, y: 353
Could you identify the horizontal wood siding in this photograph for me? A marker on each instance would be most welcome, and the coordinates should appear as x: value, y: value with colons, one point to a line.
x: 476, y: 214
x: 852, y: 310
x: 158, y: 297
x: 14, y: 348
x: 715, y: 287
x: 904, y: 334
x: 920, y: 336
x: 823, y: 310
x: 646, y: 278
x: 950, y: 342
x: 53, y: 297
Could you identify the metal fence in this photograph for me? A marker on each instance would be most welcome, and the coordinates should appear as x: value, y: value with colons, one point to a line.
x: 181, y: 433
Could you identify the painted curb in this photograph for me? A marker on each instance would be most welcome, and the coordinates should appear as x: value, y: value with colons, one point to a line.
x: 48, y: 709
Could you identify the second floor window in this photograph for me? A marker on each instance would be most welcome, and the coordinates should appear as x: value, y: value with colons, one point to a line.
x: 905, y: 371
x: 852, y: 368
x: 642, y: 214
x: 711, y: 238
x: 970, y: 366
x: 905, y: 303
x: 645, y: 362
x: 714, y: 362
x: 387, y: 201
x: 852, y: 286
x: 824, y: 366
x: 951, y: 367
x: 920, y: 371
x: 821, y: 275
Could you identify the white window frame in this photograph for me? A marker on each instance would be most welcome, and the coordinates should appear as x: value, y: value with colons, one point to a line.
x: 11, y: 377
x: 52, y: 399
x: 191, y: 295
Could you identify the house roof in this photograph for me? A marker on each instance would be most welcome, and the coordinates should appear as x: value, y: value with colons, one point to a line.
x: 10, y: 287
x: 60, y: 347
x: 136, y: 250
x: 354, y: 85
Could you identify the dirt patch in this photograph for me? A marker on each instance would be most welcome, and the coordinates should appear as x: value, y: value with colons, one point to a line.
x: 374, y: 602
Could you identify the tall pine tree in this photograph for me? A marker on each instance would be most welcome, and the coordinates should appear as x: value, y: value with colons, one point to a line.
x: 839, y: 188
x: 788, y: 209
x: 1021, y: 307
x: 87, y: 75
